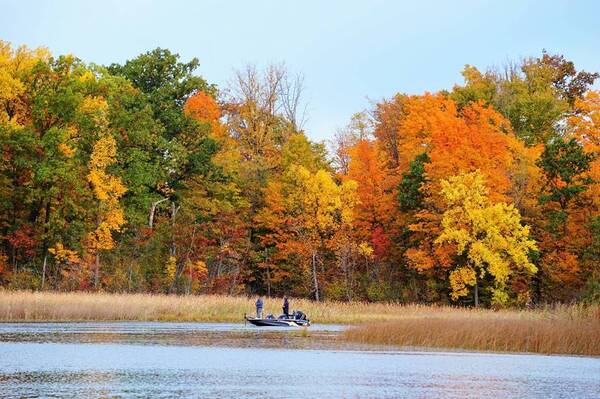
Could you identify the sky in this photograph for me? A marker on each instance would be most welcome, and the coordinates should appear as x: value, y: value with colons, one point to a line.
x: 352, y: 53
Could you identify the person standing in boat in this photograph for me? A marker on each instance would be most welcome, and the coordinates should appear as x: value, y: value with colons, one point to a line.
x: 286, y: 307
x: 259, y: 307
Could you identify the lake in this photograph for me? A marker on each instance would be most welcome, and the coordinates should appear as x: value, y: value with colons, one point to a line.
x: 181, y: 360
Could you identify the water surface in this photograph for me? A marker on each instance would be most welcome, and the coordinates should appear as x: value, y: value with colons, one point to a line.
x: 166, y: 360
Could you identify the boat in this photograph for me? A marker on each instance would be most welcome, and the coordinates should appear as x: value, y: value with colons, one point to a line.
x: 296, y: 319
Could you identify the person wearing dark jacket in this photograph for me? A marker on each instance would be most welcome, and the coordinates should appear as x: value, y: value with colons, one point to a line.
x: 259, y: 307
x: 286, y: 306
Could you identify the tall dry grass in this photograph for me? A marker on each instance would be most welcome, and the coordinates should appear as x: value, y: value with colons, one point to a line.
x: 563, y: 330
x: 76, y: 306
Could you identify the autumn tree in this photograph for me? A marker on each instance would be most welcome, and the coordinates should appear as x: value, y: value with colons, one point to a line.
x: 258, y: 110
x: 388, y: 116
x: 535, y: 94
x: 375, y: 217
x: 565, y: 166
x: 585, y: 127
x: 303, y: 212
x: 179, y: 187
x: 65, y: 260
x: 488, y: 237
x: 261, y: 117
x: 455, y: 141
x: 359, y: 128
x: 184, y: 148
x: 410, y: 195
x: 42, y: 169
x: 107, y: 188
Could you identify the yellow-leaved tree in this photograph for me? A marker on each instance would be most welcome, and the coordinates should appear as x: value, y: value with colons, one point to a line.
x: 321, y: 206
x: 305, y: 210
x: 15, y: 64
x: 107, y: 188
x: 489, y: 237
x: 65, y: 259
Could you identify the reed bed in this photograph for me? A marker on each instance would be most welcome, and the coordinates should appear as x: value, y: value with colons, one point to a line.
x: 80, y: 306
x: 73, y: 306
x: 562, y: 332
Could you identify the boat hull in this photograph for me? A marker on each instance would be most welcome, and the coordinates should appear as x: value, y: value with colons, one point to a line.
x: 277, y: 322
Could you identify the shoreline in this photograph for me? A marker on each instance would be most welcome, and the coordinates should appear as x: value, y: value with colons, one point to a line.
x: 560, y: 329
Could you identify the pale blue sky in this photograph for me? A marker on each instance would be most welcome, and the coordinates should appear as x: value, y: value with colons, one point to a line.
x: 349, y: 51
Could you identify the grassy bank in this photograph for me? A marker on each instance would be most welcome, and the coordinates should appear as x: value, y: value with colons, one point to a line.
x: 563, y: 330
x: 75, y: 306
x: 560, y: 329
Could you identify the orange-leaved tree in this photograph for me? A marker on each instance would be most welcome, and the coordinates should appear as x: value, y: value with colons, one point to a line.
x: 474, y: 138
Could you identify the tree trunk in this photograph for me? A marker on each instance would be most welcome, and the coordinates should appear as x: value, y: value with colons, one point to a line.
x: 153, y: 210
x: 352, y: 272
x: 174, y: 210
x: 44, y: 271
x: 314, y: 270
x: 345, y: 266
x: 233, y: 284
x: 129, y: 278
x: 476, y: 294
x: 45, y: 244
x: 189, y: 290
x: 97, y: 260
x: 268, y: 275
x: 97, y: 271
x: 57, y: 268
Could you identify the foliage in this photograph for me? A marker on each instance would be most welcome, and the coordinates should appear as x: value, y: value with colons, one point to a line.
x: 409, y: 191
x: 591, y: 294
x: 145, y: 177
x: 534, y: 94
x: 563, y: 163
x: 488, y: 237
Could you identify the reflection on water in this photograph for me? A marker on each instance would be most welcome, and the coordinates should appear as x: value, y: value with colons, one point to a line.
x: 135, y: 360
x: 188, y: 334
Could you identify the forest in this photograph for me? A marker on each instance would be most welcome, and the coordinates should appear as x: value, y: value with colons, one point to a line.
x: 143, y: 177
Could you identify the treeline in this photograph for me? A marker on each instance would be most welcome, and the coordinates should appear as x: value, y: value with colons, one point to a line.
x: 144, y: 177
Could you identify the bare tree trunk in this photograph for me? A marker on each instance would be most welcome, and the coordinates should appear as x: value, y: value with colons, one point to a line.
x: 173, y: 248
x: 129, y: 278
x: 314, y: 271
x: 44, y: 271
x: 153, y: 210
x: 219, y: 267
x: 45, y: 245
x: 174, y: 210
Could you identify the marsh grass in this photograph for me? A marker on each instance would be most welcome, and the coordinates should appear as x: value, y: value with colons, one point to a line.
x: 562, y: 330
x: 553, y: 329
x: 79, y: 306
